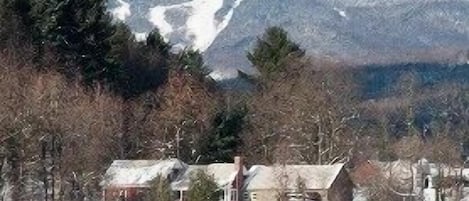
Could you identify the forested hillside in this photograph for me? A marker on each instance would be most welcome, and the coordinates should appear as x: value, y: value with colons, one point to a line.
x: 78, y: 91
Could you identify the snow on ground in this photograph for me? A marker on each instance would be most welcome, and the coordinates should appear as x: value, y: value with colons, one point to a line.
x: 228, y: 17
x: 157, y: 17
x: 139, y: 36
x: 222, y: 74
x: 201, y: 24
x: 341, y: 13
x: 121, y: 12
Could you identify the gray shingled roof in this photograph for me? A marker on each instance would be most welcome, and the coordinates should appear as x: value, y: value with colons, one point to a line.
x: 138, y: 173
x: 314, y: 176
x: 223, y: 173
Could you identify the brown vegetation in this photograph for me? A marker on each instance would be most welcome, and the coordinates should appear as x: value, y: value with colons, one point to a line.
x: 57, y: 137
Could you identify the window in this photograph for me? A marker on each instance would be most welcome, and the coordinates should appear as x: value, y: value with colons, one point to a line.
x: 246, y: 196
x: 294, y: 196
x: 122, y: 195
x: 310, y: 196
x: 315, y: 196
x: 177, y: 194
x: 234, y: 195
x: 253, y: 196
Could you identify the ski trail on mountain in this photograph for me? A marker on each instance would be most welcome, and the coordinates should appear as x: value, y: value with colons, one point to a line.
x: 121, y: 12
x: 201, y: 27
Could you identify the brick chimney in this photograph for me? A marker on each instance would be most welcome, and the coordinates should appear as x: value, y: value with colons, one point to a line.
x: 239, y: 163
x: 239, y: 181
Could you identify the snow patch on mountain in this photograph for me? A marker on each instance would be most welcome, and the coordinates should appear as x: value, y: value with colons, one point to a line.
x: 219, y: 74
x: 341, y: 12
x: 201, y: 27
x: 121, y: 12
x: 374, y: 3
x: 140, y: 36
x: 157, y: 17
x: 228, y: 17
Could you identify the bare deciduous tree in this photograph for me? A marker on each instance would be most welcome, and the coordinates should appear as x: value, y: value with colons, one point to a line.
x: 53, y: 132
x: 310, y: 108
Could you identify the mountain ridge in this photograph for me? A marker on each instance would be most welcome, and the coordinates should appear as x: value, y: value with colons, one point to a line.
x: 349, y: 31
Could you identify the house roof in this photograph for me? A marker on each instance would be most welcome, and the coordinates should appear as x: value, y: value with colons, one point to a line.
x: 314, y: 176
x: 138, y: 173
x: 223, y: 174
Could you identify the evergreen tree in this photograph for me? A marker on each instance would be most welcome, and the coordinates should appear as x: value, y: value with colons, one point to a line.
x: 79, y: 30
x: 272, y: 50
x: 224, y: 138
x: 156, y: 42
x: 86, y: 43
x: 121, y: 42
x: 20, y: 8
x: 203, y: 188
x: 146, y: 65
x: 160, y: 190
x: 193, y: 63
x: 15, y: 22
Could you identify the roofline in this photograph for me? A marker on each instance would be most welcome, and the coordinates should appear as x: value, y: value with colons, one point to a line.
x: 126, y: 186
x: 328, y: 186
x: 269, y: 189
x: 342, y: 165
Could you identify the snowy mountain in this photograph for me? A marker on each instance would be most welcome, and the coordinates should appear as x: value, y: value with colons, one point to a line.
x: 353, y: 31
x: 193, y: 24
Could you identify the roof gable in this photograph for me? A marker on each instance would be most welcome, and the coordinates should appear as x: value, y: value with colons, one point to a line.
x: 313, y: 176
x: 223, y: 174
x: 138, y: 173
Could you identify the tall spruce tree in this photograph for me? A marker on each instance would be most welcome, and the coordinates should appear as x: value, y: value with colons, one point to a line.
x: 82, y: 37
x: 79, y: 31
x: 15, y: 22
x: 224, y: 138
x: 146, y: 65
x: 193, y: 63
x: 156, y: 42
x: 272, y: 50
